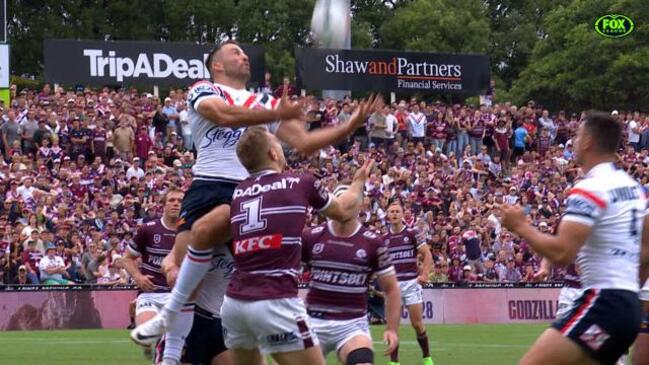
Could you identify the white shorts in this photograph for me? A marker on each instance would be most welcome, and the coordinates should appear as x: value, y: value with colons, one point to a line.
x: 333, y: 334
x: 567, y: 297
x: 411, y: 292
x: 150, y: 302
x: 644, y: 292
x: 273, y: 325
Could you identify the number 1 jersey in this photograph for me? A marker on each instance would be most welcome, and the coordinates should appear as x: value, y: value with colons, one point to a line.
x: 267, y: 215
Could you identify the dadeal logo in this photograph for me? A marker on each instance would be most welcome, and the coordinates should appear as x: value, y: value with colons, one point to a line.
x: 614, y: 25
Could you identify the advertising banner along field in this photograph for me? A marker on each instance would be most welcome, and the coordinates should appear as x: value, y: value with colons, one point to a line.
x: 135, y: 63
x: 27, y: 309
x: 386, y: 71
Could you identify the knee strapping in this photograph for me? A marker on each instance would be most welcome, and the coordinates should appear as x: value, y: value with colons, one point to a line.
x: 360, y: 356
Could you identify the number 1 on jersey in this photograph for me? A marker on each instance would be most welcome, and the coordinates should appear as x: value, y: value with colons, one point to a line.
x: 253, y: 216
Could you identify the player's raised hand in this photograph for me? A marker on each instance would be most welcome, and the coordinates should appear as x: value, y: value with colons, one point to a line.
x: 287, y: 109
x: 363, y: 111
x: 364, y: 171
x: 391, y: 341
x: 512, y: 217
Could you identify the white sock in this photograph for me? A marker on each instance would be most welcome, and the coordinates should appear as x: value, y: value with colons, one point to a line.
x: 176, y: 334
x: 192, y: 271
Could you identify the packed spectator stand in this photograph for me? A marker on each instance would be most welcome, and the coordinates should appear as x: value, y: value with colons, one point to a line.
x: 82, y: 169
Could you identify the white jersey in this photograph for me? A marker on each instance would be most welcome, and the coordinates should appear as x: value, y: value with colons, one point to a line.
x: 212, y: 290
x: 613, y: 204
x: 217, y: 146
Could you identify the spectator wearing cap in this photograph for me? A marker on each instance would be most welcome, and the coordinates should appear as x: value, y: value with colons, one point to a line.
x: 123, y: 138
x: 52, y: 268
x: 31, y: 258
x: 171, y: 112
x: 135, y: 171
x: 23, y: 278
x: 512, y: 274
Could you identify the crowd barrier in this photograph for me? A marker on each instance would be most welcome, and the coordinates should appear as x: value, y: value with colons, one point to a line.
x: 81, y: 306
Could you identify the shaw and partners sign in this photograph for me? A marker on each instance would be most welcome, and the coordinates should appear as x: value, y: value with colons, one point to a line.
x: 135, y: 63
x: 392, y: 71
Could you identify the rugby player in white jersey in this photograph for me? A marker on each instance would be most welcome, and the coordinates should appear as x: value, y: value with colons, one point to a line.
x: 219, y: 113
x: 342, y: 257
x: 204, y: 335
x: 606, y: 229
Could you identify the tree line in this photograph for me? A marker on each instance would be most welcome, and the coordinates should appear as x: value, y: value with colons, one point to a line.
x: 542, y: 50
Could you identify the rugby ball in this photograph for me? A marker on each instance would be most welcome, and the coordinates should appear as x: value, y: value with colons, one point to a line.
x: 330, y: 23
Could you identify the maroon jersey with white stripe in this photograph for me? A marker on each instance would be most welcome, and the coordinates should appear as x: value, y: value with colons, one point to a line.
x: 341, y: 268
x: 267, y: 213
x: 153, y: 241
x: 403, y: 247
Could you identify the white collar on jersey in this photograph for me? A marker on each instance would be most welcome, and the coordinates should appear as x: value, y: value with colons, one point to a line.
x: 602, y: 168
x: 261, y: 173
x: 229, y: 88
x: 402, y: 229
x: 331, y: 230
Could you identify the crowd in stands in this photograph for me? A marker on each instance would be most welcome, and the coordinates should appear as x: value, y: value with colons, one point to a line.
x: 81, y: 169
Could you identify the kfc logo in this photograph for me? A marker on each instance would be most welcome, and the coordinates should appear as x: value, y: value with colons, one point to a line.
x: 253, y: 244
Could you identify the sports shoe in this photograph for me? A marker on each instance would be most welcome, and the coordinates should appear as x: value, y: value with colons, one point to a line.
x: 428, y: 361
x: 148, y: 333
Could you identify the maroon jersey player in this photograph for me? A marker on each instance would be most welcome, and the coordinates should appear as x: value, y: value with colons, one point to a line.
x: 342, y: 257
x: 152, y: 242
x: 405, y: 246
x: 261, y: 312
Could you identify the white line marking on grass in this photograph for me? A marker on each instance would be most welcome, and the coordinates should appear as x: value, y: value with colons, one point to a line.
x: 434, y: 344
x: 62, y: 341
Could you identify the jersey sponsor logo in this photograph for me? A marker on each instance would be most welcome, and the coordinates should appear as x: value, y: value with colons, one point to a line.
x: 317, y: 230
x: 594, y: 337
x: 317, y: 248
x: 580, y: 206
x: 256, y: 189
x: 406, y: 239
x: 402, y: 254
x: 337, y: 277
x: 155, y: 260
x: 157, y: 238
x: 254, y: 244
x: 361, y: 253
x: 223, y: 263
x: 280, y: 339
x: 370, y: 234
x: 622, y: 194
x: 228, y: 137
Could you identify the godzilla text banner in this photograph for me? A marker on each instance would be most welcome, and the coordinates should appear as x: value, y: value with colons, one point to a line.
x: 135, y: 63
x: 381, y: 70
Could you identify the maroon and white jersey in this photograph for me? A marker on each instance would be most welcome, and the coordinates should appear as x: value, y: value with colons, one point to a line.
x: 267, y: 213
x: 341, y: 268
x: 403, y: 247
x: 152, y: 242
x: 571, y: 278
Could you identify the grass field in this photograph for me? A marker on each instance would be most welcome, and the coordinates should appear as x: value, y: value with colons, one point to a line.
x: 450, y: 344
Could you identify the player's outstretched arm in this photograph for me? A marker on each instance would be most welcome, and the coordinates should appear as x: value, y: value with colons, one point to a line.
x: 218, y: 111
x: 560, y: 248
x: 293, y: 131
x: 644, y: 251
x: 343, y: 207
x: 392, y: 297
